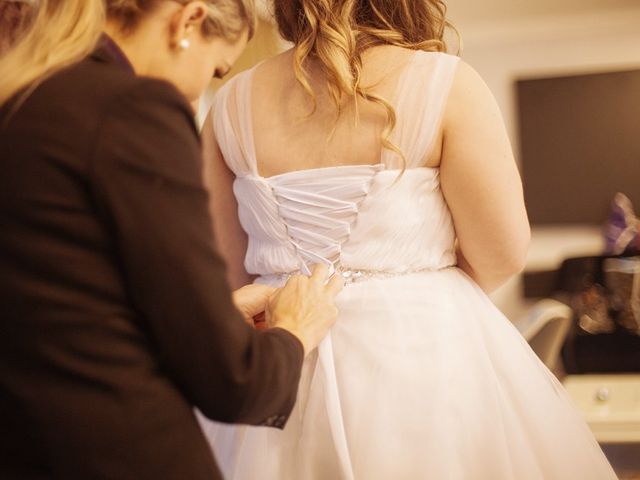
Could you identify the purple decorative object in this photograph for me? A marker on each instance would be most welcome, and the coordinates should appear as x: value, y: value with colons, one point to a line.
x: 622, y: 230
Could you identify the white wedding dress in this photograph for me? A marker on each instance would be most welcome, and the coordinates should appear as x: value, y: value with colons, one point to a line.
x: 421, y: 377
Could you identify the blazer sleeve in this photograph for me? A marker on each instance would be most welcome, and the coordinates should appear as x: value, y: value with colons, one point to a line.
x: 146, y: 173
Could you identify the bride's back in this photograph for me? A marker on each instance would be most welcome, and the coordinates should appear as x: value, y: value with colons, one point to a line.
x: 290, y: 134
x: 329, y: 100
x: 313, y: 187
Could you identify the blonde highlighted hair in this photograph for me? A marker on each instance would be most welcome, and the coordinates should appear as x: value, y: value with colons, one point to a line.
x: 337, y: 32
x: 63, y: 32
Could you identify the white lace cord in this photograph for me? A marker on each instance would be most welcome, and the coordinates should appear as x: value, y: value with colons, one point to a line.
x: 312, y: 247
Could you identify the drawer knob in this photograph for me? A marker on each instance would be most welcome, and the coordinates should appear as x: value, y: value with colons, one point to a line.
x: 603, y: 394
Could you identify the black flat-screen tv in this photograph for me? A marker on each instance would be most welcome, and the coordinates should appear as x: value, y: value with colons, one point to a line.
x: 579, y: 145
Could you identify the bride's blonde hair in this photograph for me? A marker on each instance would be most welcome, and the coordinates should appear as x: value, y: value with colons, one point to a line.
x: 337, y: 32
x: 65, y: 31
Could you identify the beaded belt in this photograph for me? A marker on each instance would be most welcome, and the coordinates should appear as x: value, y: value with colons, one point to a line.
x: 354, y: 276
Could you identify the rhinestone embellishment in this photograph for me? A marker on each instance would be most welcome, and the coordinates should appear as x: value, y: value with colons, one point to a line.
x: 354, y: 276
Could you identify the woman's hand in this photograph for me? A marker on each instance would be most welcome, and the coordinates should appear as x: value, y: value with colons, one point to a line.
x: 252, y: 300
x: 305, y: 306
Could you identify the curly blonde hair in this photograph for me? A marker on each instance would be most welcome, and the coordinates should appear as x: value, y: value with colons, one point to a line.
x: 337, y: 32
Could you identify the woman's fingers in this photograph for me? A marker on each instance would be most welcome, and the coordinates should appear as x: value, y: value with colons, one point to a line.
x: 332, y: 283
x: 319, y: 273
x: 305, y: 306
x: 335, y: 284
x: 252, y: 299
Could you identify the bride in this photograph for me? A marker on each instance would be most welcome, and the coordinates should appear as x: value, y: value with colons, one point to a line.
x: 367, y: 148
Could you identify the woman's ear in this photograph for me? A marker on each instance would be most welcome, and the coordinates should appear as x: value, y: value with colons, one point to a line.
x: 185, y: 21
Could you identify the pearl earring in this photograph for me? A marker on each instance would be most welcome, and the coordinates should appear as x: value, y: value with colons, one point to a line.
x: 184, y: 44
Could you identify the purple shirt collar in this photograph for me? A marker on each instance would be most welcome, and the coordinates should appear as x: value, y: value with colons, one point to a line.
x: 107, y: 47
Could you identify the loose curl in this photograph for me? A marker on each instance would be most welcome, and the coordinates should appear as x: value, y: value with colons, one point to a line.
x: 337, y: 32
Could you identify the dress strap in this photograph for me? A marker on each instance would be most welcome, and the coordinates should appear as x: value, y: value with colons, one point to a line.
x: 232, y: 124
x: 420, y: 101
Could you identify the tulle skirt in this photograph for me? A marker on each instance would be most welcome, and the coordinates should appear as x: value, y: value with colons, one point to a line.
x: 421, y: 378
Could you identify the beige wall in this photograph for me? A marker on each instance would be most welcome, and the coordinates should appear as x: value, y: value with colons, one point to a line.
x: 264, y: 44
x: 544, y: 45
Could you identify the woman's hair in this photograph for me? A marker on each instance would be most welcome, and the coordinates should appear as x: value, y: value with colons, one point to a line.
x: 226, y: 18
x: 14, y: 19
x: 63, y: 32
x: 337, y: 32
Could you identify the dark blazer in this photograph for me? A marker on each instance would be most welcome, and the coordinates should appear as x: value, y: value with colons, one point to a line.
x: 115, y: 317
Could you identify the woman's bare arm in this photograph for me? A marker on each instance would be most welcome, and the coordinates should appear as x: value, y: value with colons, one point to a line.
x: 481, y: 184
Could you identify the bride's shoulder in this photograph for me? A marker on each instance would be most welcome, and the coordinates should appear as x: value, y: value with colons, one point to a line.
x: 270, y: 67
x: 431, y: 59
x: 470, y: 104
x: 275, y: 76
x: 468, y: 86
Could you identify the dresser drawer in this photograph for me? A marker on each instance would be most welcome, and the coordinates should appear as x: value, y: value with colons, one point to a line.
x: 609, y: 403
